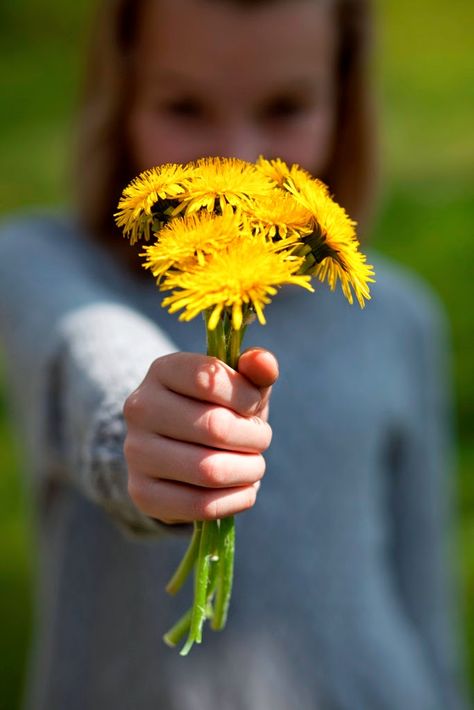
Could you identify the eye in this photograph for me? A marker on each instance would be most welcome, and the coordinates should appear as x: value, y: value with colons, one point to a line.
x: 283, y: 108
x: 186, y: 108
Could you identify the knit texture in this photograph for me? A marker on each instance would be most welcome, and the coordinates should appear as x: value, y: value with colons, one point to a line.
x: 344, y: 595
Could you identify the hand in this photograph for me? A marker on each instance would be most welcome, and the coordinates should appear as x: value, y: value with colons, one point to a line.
x: 196, y: 433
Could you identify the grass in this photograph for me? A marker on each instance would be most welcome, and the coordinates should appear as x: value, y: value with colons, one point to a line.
x: 426, y: 220
x: 15, y: 572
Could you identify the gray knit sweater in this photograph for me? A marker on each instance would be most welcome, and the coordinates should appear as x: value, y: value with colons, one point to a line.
x: 343, y: 595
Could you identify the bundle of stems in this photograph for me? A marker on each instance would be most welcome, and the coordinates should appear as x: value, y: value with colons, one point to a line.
x: 211, y: 550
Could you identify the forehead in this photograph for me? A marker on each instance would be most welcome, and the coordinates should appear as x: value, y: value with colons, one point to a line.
x: 209, y: 41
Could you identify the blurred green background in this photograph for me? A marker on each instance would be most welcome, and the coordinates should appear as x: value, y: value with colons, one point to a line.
x: 425, y: 77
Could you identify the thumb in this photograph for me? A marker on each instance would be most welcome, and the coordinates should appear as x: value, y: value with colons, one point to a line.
x: 260, y: 367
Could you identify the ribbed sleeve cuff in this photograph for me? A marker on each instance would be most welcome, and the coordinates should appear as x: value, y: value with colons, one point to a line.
x: 104, y: 472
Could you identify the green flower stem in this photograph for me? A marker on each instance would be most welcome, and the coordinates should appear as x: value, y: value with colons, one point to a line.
x: 210, y: 335
x: 233, y: 347
x: 202, y: 568
x: 216, y: 342
x: 213, y: 568
x: 225, y: 572
x: 187, y: 563
x: 176, y: 633
x: 226, y: 539
x: 220, y: 350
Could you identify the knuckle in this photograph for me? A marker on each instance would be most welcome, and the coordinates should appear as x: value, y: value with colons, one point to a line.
x: 205, y: 508
x: 267, y: 436
x: 154, y: 370
x: 137, y: 491
x: 217, y: 425
x: 205, y: 375
x: 132, y: 406
x: 131, y: 447
x: 210, y: 471
x: 128, y: 448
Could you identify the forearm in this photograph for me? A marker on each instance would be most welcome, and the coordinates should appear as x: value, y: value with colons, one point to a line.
x: 74, y: 349
x: 106, y: 350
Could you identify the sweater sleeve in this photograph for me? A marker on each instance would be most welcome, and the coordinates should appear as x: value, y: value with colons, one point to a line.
x: 74, y: 350
x: 423, y: 510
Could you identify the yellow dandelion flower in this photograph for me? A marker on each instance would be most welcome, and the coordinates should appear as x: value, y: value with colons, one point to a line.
x: 298, y: 178
x: 281, y: 215
x: 354, y: 274
x: 333, y: 245
x: 276, y: 169
x: 148, y: 197
x: 221, y: 181
x: 187, y: 239
x: 243, y: 275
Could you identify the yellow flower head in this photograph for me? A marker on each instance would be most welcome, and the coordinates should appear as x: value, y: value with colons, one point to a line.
x: 244, y: 275
x: 300, y: 178
x: 333, y: 242
x: 149, y: 196
x: 184, y: 240
x: 222, y: 181
x: 276, y: 169
x: 281, y: 215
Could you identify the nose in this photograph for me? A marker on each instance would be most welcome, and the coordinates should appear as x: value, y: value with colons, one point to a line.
x: 238, y: 140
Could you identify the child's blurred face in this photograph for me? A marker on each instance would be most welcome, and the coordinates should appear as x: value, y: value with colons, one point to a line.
x: 212, y: 78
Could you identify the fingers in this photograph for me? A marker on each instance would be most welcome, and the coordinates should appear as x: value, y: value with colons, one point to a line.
x: 159, y: 457
x: 210, y: 380
x: 172, y: 415
x: 207, y: 379
x: 195, y: 434
x: 178, y: 503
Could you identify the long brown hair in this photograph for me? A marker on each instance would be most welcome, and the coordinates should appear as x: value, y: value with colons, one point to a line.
x: 101, y: 163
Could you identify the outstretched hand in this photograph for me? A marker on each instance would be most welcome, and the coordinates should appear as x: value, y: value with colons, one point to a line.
x: 196, y: 431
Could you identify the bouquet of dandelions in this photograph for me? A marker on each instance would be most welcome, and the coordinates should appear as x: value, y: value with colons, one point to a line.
x: 228, y: 234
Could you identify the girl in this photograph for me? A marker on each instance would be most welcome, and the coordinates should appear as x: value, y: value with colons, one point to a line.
x: 342, y: 595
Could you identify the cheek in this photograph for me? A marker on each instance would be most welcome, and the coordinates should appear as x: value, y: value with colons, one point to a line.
x: 154, y: 141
